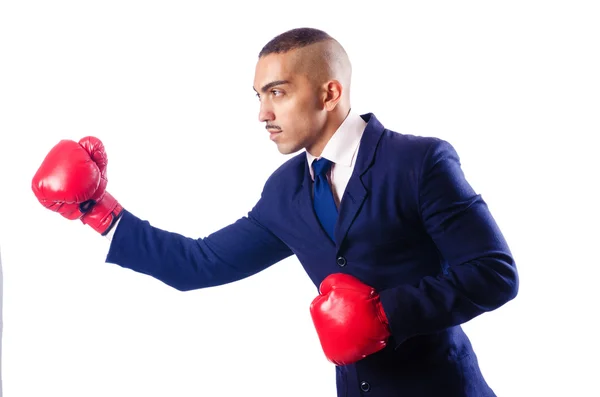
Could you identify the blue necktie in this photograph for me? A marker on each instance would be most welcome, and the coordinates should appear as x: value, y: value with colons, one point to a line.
x: 323, y: 202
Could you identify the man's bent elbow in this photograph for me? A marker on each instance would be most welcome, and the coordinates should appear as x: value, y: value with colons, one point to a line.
x: 505, y: 285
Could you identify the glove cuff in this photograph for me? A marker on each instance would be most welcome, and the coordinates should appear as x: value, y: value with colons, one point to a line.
x: 102, y: 215
x: 381, y: 314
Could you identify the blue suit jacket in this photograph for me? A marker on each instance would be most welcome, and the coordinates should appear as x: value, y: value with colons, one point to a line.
x: 410, y: 225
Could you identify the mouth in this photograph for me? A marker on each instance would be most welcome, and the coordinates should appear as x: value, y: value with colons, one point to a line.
x: 273, y: 132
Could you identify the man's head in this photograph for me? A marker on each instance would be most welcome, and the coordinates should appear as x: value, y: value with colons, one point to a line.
x: 302, y: 79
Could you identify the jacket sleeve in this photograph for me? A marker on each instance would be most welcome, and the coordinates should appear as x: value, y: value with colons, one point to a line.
x: 237, y: 251
x: 478, y: 271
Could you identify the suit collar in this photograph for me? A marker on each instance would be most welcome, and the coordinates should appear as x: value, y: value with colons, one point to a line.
x: 368, y: 143
x: 355, y: 193
x: 342, y: 147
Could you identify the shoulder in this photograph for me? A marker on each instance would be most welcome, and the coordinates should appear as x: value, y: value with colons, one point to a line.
x: 414, y: 149
x: 287, y: 175
x: 281, y: 184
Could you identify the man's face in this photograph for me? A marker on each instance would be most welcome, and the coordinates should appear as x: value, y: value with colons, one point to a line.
x: 290, y: 103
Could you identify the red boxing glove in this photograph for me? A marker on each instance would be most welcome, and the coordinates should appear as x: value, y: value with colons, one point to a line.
x: 72, y: 181
x: 349, y: 319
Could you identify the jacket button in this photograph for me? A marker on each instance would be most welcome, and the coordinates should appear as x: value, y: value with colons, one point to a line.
x: 341, y: 261
x: 365, y: 386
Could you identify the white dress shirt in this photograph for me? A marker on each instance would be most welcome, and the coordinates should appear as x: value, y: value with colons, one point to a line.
x: 341, y: 149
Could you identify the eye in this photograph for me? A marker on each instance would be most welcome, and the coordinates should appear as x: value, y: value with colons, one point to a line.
x: 277, y: 92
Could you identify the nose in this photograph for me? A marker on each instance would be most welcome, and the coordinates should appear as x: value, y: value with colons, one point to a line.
x: 265, y: 113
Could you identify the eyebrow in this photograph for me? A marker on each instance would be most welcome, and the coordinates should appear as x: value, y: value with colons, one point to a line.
x: 272, y: 84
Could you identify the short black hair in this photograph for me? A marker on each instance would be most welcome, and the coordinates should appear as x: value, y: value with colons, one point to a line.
x: 292, y: 39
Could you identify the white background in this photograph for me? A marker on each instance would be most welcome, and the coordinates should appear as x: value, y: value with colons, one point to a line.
x: 513, y: 85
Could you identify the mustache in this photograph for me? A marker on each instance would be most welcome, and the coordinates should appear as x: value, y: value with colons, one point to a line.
x: 272, y: 127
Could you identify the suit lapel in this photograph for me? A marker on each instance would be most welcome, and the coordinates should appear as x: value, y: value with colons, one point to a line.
x: 356, y: 192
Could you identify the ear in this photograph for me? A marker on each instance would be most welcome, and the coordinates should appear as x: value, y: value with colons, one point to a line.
x: 332, y: 94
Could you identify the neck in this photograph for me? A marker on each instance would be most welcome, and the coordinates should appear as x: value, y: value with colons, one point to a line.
x: 332, y: 124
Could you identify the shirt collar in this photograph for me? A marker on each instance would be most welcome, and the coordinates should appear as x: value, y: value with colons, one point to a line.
x: 342, y: 146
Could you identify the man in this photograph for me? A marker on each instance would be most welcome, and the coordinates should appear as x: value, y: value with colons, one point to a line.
x: 401, y: 247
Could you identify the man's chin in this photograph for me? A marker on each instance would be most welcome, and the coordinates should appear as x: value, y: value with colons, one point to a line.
x: 287, y: 149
